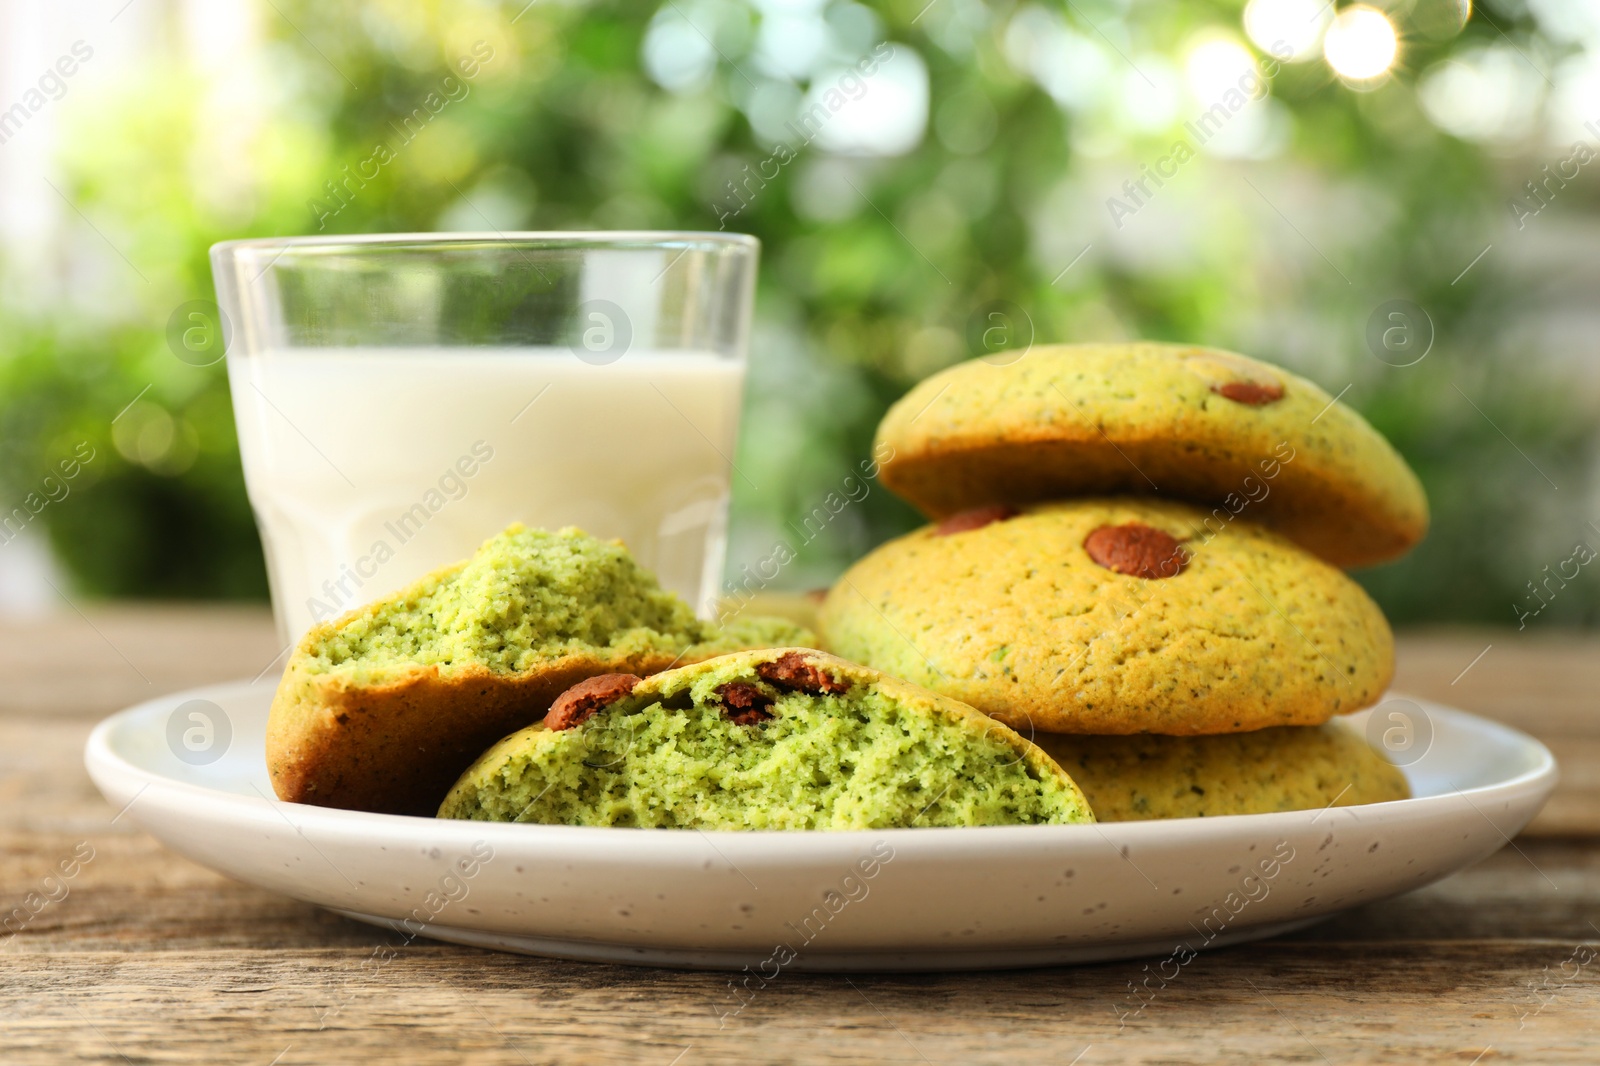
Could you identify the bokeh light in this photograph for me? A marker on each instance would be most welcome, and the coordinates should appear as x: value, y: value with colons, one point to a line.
x: 1289, y: 29
x: 1441, y: 20
x: 958, y: 173
x: 1361, y: 44
x: 1151, y: 95
x: 883, y: 115
x: 676, y: 56
x: 1216, y: 64
x: 1483, y: 94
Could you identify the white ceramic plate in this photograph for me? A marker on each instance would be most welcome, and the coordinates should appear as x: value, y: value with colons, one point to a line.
x: 904, y: 899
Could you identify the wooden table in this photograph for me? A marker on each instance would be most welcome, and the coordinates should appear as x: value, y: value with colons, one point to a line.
x: 150, y: 958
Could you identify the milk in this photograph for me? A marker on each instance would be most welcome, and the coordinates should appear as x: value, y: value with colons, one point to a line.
x: 367, y: 468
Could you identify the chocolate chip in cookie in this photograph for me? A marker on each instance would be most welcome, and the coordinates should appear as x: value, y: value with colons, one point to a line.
x: 574, y: 706
x: 1136, y: 549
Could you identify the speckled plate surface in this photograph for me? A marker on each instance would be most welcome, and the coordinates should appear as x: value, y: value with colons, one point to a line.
x: 189, y: 768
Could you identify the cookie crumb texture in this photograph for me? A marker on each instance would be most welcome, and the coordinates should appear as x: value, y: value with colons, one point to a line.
x: 1019, y: 621
x: 525, y: 596
x: 381, y: 709
x: 1172, y: 420
x: 876, y: 753
x: 1134, y: 778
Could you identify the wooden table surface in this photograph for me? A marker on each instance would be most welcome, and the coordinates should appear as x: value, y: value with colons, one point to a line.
x: 151, y: 958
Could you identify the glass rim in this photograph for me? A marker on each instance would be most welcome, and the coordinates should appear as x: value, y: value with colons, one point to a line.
x: 520, y: 240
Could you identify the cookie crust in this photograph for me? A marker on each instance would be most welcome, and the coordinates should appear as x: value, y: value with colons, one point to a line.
x: 1135, y: 778
x: 1016, y: 619
x: 1186, y: 422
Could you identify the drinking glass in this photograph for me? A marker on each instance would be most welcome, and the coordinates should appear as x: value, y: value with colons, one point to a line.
x: 401, y: 398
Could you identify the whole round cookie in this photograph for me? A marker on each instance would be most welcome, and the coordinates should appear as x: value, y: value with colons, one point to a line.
x: 1234, y: 434
x: 1121, y: 615
x: 1290, y: 768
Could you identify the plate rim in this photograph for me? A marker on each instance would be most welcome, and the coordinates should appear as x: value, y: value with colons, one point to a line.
x: 183, y: 810
x: 104, y: 765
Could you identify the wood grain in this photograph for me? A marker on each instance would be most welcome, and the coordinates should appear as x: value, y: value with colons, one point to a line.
x: 1546, y: 684
x: 1281, y: 1001
x: 151, y: 958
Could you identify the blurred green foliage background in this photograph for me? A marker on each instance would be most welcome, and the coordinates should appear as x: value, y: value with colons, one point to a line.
x: 1329, y: 200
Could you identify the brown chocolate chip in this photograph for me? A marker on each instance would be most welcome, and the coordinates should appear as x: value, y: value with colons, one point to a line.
x: 817, y: 595
x: 977, y: 518
x: 744, y: 703
x: 1136, y: 549
x: 574, y: 706
x: 1252, y: 393
x: 795, y: 673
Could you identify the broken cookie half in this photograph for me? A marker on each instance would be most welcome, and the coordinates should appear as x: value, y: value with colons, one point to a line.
x: 382, y: 708
x: 784, y: 738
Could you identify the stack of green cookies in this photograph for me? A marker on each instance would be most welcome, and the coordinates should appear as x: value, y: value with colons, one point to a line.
x: 1130, y: 606
x: 1136, y: 561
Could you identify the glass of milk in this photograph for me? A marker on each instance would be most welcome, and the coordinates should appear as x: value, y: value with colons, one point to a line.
x: 400, y: 398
